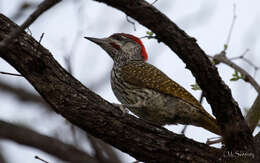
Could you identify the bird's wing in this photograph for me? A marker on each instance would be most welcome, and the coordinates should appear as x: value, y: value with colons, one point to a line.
x: 147, y: 76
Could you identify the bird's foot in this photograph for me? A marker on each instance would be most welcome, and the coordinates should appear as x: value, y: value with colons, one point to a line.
x: 122, y: 108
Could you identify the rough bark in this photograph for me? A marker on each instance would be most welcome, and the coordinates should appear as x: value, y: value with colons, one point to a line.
x: 68, y: 97
x: 236, y: 133
x: 257, y: 145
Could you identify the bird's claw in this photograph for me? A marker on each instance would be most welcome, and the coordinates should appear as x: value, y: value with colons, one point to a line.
x: 122, y: 108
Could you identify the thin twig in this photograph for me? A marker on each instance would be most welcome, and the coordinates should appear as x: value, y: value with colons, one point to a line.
x: 41, y: 38
x: 38, y: 158
x: 231, y: 27
x: 240, y: 56
x: 39, y: 42
x: 45, y: 5
x: 131, y: 22
x: 251, y: 63
x: 7, y: 73
x: 184, y: 129
x: 201, y: 97
x: 154, y: 2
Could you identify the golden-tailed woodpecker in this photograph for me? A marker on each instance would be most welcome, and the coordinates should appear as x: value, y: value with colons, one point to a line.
x: 148, y: 92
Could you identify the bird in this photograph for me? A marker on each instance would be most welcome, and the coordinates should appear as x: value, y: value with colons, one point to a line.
x: 148, y: 92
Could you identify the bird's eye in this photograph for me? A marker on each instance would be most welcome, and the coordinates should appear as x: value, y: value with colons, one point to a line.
x: 115, y: 45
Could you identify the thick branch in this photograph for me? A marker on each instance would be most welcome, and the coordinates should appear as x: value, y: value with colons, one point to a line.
x: 47, y: 144
x: 237, y: 135
x: 257, y: 145
x: 253, y: 115
x: 68, y: 97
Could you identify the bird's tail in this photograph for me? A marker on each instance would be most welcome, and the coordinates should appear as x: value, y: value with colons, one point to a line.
x: 209, y: 123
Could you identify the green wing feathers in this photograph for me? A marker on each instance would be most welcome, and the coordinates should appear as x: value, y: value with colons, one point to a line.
x: 144, y: 75
x: 147, y: 76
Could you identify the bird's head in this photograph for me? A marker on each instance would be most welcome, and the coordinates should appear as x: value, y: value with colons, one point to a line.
x: 122, y: 47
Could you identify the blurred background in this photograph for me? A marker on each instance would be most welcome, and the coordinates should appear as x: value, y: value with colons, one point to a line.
x: 64, y: 27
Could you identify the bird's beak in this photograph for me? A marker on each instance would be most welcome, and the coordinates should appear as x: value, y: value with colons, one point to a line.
x: 99, y: 41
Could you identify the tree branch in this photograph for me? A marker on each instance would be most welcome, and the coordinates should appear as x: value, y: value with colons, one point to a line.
x: 257, y: 144
x: 90, y: 112
x: 236, y: 133
x: 8, y: 73
x: 222, y: 58
x: 47, y: 144
x: 44, y: 6
x: 253, y: 114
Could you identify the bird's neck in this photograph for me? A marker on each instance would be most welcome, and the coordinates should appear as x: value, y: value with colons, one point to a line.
x: 121, y: 61
x: 123, y: 58
x: 126, y: 62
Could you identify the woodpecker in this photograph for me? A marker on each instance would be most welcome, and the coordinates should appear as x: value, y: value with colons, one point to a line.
x: 148, y: 92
